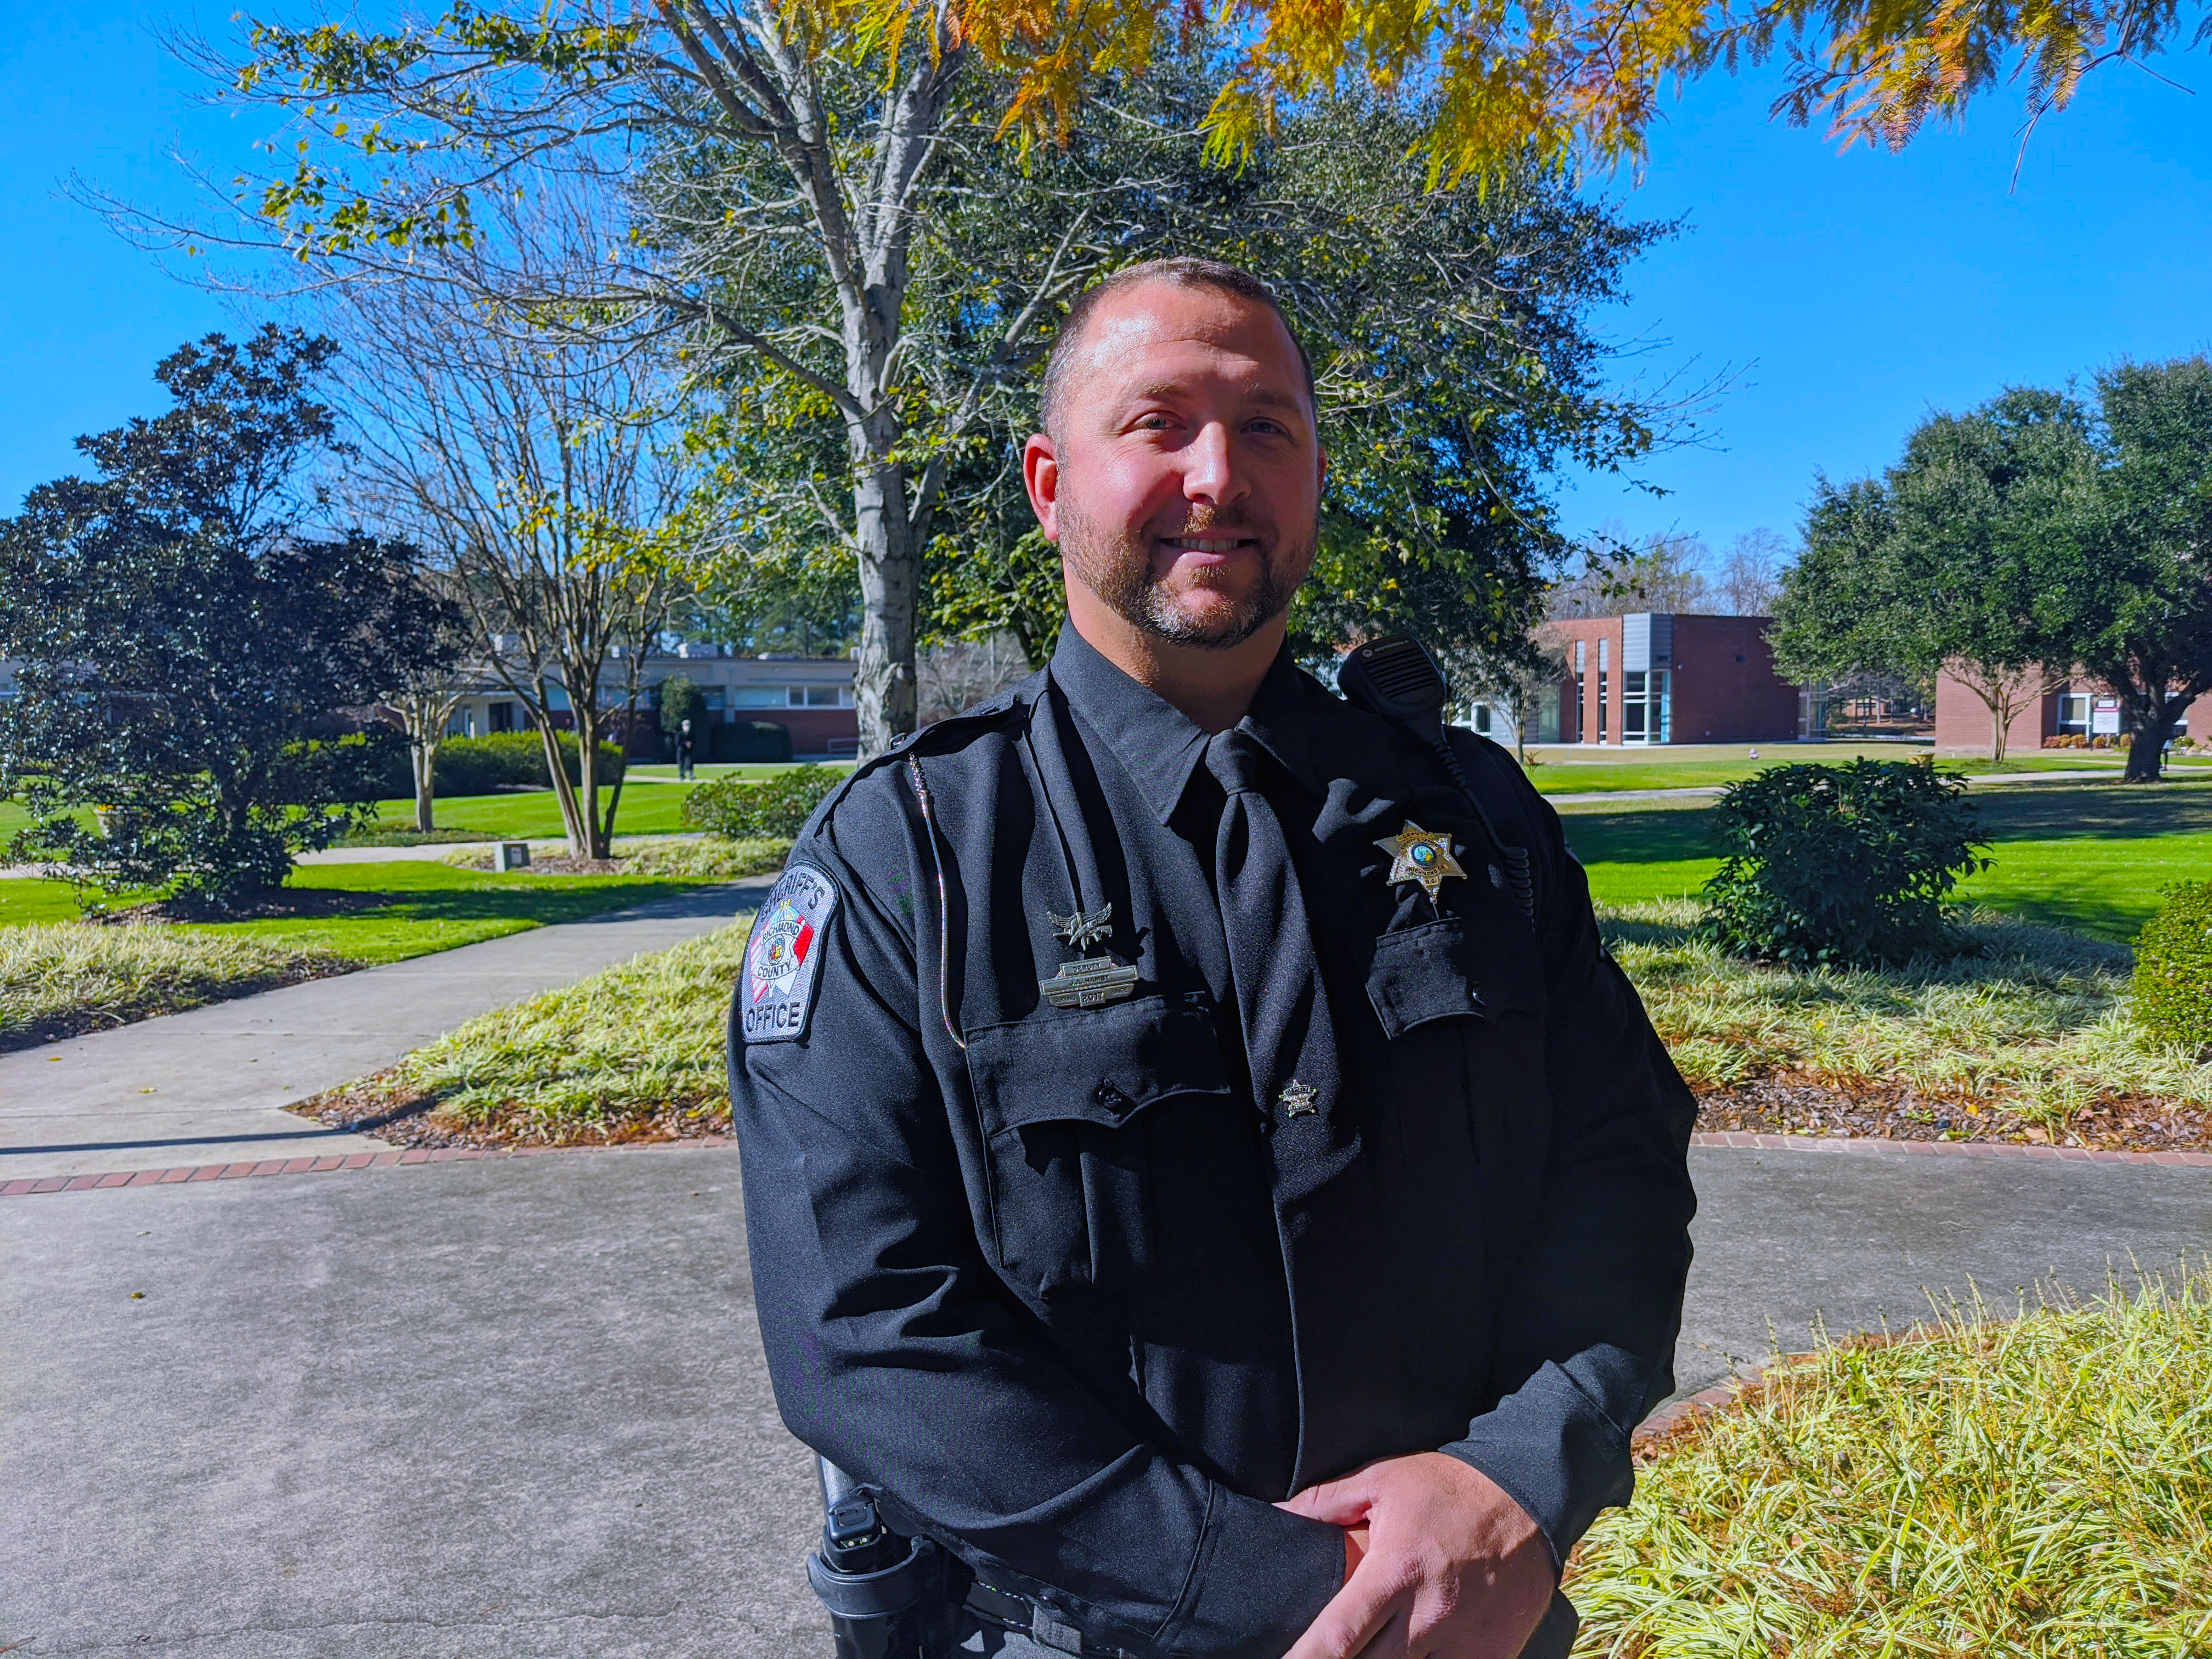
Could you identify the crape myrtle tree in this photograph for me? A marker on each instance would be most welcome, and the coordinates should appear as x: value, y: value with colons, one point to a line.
x: 828, y: 220
x: 429, y: 688
x: 187, y: 626
x: 1946, y: 561
x: 530, y: 450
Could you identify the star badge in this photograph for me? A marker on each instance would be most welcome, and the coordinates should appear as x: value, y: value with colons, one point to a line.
x: 1421, y: 855
x: 1297, y: 1099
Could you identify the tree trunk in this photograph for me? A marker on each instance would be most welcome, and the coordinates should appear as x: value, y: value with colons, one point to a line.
x: 424, y: 754
x: 588, y: 777
x: 579, y: 836
x: 2155, y: 719
x: 884, y: 690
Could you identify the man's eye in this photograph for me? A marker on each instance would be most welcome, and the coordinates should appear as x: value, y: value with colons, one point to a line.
x: 1155, y: 423
x: 1265, y: 425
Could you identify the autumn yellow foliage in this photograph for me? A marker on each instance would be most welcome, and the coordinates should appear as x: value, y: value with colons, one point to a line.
x: 1561, y: 81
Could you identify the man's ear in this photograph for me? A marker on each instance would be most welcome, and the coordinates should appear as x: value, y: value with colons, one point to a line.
x: 1040, y: 475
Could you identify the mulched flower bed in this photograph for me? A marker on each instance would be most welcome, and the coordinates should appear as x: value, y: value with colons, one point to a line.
x: 283, y: 903
x: 362, y: 1108
x: 1775, y: 1107
x: 1765, y: 1107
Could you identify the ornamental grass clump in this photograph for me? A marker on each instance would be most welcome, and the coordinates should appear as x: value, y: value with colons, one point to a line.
x: 2174, y: 971
x: 2032, y: 1488
x: 633, y: 1052
x: 1843, y: 866
x: 62, y: 979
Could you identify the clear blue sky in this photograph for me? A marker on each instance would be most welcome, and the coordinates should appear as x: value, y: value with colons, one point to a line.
x: 1851, y: 293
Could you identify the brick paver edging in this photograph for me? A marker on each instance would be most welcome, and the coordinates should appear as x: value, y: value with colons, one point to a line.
x: 329, y: 1164
x: 1946, y: 1148
x: 333, y: 1162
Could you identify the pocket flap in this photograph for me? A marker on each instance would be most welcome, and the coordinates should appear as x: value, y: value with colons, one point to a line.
x: 1462, y: 965
x: 1095, y: 1065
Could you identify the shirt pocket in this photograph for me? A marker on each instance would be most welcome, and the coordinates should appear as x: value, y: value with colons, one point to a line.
x: 1063, y: 1099
x: 1480, y: 966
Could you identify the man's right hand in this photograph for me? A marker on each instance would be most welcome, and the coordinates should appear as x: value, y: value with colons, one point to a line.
x: 1440, y: 1563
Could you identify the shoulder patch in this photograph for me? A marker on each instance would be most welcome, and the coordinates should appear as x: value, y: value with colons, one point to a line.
x: 783, y: 958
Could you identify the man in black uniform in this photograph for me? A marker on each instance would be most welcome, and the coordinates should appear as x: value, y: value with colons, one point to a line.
x: 1181, y: 1175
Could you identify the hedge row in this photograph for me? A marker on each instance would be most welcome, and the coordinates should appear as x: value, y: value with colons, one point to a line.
x: 504, y: 759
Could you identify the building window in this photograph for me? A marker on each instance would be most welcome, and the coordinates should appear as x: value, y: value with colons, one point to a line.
x: 759, y: 697
x: 1581, y: 657
x: 1604, y: 674
x: 2074, y: 713
x: 1645, y: 715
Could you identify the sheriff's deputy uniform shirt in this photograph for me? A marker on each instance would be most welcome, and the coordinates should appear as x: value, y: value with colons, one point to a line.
x: 1032, y: 1255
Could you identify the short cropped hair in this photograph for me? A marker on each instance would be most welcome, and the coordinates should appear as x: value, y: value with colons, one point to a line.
x: 1216, y: 274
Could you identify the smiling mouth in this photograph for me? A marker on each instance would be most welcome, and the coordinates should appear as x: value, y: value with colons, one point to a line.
x: 1206, y: 543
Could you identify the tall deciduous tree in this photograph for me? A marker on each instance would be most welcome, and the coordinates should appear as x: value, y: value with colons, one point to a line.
x: 185, y: 631
x: 1944, y: 563
x: 827, y: 217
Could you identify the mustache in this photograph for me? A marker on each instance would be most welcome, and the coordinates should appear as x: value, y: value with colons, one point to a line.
x: 1202, y: 521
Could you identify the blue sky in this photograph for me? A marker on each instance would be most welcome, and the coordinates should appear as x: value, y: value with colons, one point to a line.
x: 1849, y: 293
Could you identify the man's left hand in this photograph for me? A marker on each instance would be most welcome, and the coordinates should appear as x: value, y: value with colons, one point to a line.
x: 1452, y: 1567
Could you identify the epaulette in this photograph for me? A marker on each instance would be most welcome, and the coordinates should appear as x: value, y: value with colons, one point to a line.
x: 937, y: 737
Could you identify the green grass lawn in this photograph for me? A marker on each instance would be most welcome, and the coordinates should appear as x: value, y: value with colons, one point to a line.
x: 1594, y: 771
x: 417, y: 908
x: 652, y: 805
x: 2087, y: 856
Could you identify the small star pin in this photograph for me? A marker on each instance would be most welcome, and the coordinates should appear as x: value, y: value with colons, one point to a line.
x: 1297, y: 1099
x: 1421, y: 855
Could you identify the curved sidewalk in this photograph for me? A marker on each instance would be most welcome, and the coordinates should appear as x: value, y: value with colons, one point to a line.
x: 212, y: 1084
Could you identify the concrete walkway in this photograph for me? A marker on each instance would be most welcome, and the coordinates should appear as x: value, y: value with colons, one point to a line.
x: 517, y: 1409
x: 213, y: 1083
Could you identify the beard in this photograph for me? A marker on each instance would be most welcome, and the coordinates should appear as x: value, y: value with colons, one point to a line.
x: 1118, y: 569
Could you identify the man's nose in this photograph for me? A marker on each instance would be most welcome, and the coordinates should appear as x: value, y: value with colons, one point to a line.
x: 1209, y: 467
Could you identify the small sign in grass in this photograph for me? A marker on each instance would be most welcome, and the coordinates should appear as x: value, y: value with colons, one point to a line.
x: 2032, y: 1488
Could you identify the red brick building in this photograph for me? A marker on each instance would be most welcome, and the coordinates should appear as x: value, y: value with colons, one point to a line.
x: 1655, y: 678
x: 2077, y: 707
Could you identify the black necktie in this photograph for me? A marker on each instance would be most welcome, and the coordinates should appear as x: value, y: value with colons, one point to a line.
x: 1280, y: 997
x: 1325, y: 1217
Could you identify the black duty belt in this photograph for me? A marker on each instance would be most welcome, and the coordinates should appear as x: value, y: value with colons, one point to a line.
x: 1018, y: 1615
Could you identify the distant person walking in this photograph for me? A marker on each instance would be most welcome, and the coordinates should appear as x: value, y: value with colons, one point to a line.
x: 684, y: 748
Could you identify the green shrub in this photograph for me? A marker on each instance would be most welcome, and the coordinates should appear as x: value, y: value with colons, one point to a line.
x: 1840, y: 866
x: 502, y: 759
x: 734, y: 741
x: 2174, y: 969
x: 751, y: 811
